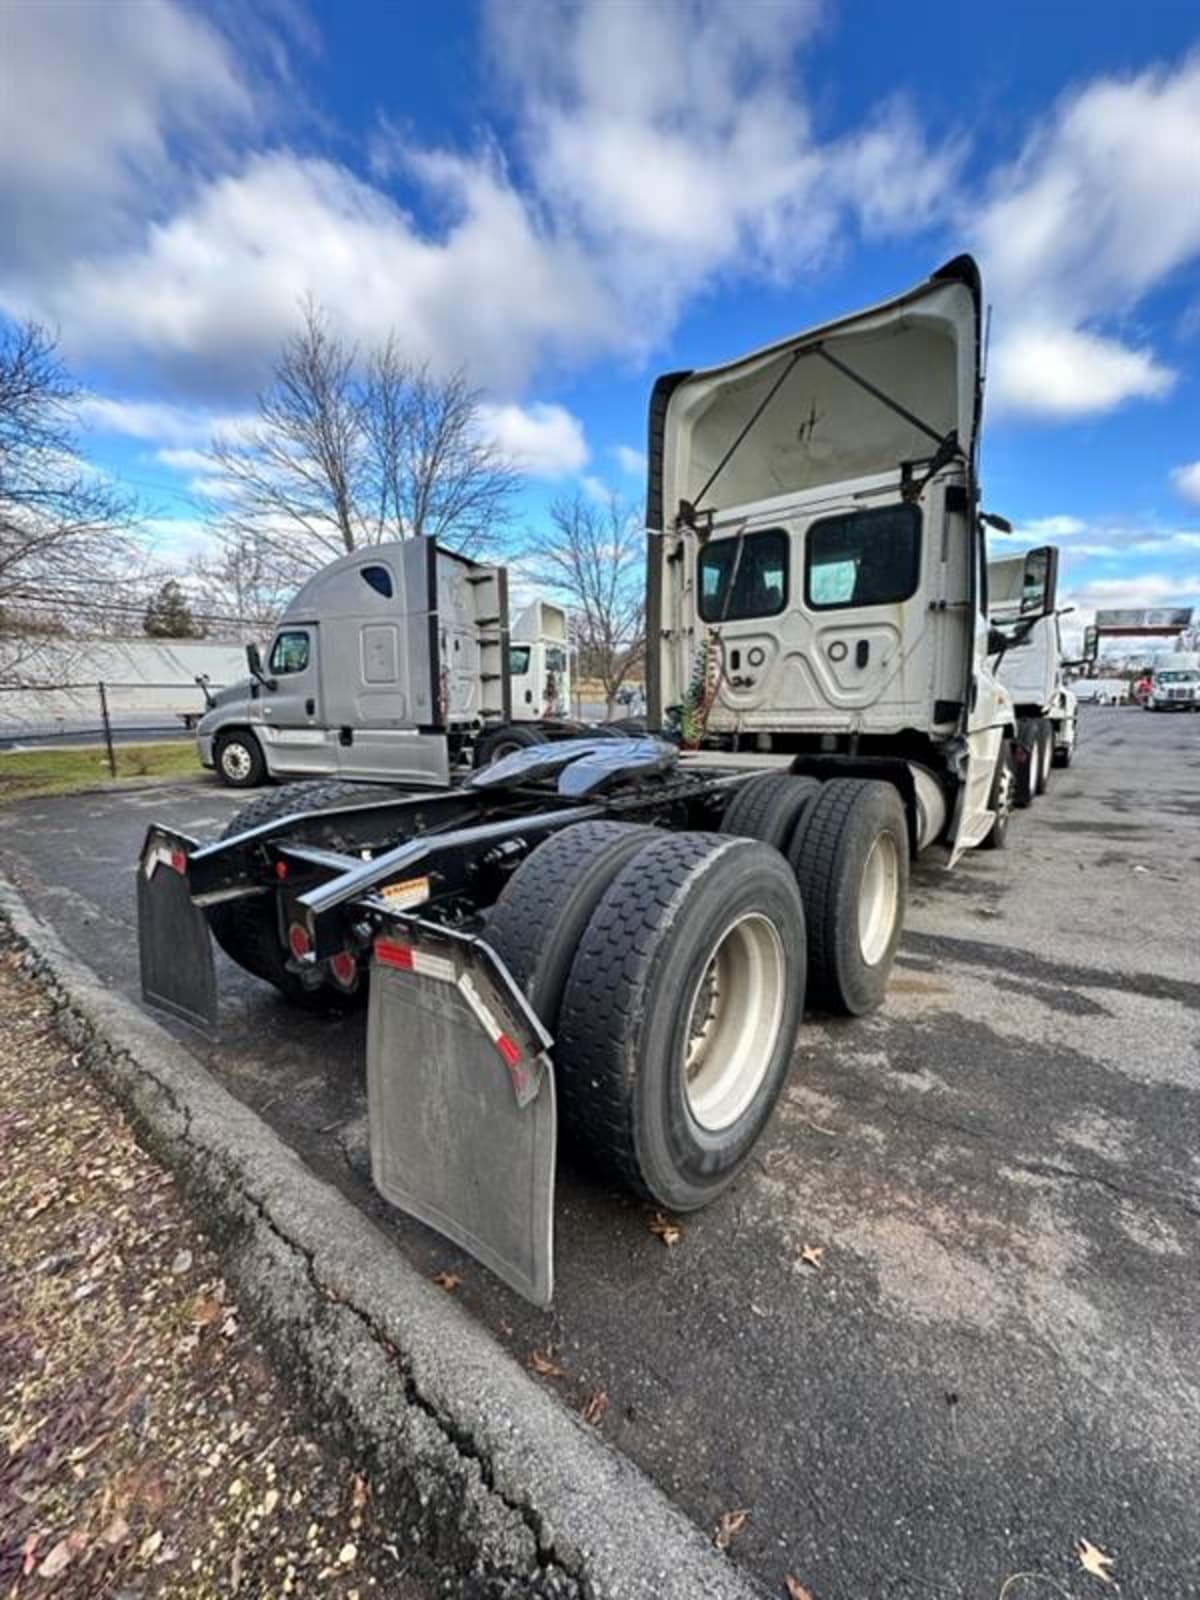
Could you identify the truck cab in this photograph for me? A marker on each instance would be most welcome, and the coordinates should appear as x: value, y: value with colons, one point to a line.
x: 1174, y: 688
x: 817, y: 566
x: 384, y: 663
x: 539, y: 663
x: 1030, y: 665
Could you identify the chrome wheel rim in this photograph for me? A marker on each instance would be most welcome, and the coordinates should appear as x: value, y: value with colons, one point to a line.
x: 235, y: 760
x: 879, y: 899
x: 733, y: 1021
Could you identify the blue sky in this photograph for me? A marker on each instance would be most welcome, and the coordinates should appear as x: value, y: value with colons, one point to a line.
x: 567, y: 200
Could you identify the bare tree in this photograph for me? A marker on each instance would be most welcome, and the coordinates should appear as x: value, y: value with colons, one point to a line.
x: 347, y: 452
x: 244, y: 589
x: 593, y: 554
x: 66, y: 551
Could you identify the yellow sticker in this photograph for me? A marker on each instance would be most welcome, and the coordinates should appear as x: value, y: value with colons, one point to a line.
x: 409, y: 892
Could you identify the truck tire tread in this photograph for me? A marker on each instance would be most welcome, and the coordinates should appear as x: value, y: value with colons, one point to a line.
x: 769, y: 807
x: 607, y: 1007
x: 822, y: 857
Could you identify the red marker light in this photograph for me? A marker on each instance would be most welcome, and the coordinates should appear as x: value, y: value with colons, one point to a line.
x: 509, y: 1049
x: 179, y: 861
x: 298, y: 941
x: 344, y: 968
x: 281, y: 869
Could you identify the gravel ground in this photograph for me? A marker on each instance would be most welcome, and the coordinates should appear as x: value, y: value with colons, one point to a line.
x: 146, y: 1446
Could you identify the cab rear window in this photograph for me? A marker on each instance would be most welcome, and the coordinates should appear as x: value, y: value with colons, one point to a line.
x: 744, y: 578
x: 863, y: 558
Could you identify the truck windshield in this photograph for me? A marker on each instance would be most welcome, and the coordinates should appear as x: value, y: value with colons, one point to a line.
x: 1178, y: 677
x: 864, y: 558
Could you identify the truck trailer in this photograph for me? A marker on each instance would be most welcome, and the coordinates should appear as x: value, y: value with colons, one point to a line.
x: 1030, y: 665
x: 614, y: 941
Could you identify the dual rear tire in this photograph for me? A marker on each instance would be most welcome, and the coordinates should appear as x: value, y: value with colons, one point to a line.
x: 670, y: 968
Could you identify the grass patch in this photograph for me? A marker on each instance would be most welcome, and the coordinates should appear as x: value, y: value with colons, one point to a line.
x: 25, y: 774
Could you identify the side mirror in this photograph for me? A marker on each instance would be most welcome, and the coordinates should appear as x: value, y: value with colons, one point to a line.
x: 1039, y: 582
x: 254, y: 662
x: 992, y: 520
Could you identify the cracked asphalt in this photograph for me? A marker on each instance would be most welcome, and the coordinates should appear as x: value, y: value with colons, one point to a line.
x: 998, y: 1174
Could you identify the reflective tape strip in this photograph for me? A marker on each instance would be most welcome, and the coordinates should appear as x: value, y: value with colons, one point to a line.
x: 391, y: 953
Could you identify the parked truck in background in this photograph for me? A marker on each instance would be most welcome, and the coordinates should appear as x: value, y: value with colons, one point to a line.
x: 393, y: 663
x: 539, y: 664
x: 1030, y: 665
x: 1175, y: 684
x: 617, y: 939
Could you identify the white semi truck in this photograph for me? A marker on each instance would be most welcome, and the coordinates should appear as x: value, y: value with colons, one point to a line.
x: 395, y: 662
x: 616, y: 940
x: 1030, y: 665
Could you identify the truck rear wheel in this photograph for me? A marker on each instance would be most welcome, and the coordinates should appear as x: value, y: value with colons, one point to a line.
x: 505, y: 741
x: 679, y: 1018
x: 1064, y: 753
x: 536, y: 924
x: 239, y: 760
x: 247, y: 930
x: 768, y: 807
x: 850, y: 857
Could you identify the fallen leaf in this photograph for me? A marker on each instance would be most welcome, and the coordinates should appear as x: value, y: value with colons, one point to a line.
x: 181, y: 1262
x: 795, y: 1589
x: 1095, y: 1561
x: 58, y: 1560
x: 669, y: 1232
x: 360, y: 1493
x: 27, y: 1550
x: 812, y: 1255
x: 269, y: 1501
x: 447, y: 1280
x: 348, y: 1554
x: 595, y: 1410
x: 150, y: 1546
x: 545, y: 1366
x: 731, y: 1524
x: 116, y: 1533
x: 205, y: 1311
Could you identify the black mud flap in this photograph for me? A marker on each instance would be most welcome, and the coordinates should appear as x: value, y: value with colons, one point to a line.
x: 173, y: 938
x: 461, y: 1101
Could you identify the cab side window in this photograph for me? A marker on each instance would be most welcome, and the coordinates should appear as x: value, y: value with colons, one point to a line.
x: 289, y: 653
x: 864, y: 558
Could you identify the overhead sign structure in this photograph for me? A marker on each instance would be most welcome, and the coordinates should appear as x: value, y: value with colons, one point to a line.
x: 1165, y: 620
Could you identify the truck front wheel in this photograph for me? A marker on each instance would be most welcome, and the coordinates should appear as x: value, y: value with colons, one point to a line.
x: 239, y: 760
x: 679, y: 1017
x: 850, y: 857
x: 505, y: 741
x: 1000, y: 801
x: 1045, y: 755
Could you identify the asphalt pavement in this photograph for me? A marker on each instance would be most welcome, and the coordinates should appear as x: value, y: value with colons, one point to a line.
x: 947, y: 1323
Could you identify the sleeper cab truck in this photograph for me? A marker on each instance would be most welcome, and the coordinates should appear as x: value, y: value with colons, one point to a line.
x: 1029, y: 663
x: 613, y: 941
x: 392, y: 663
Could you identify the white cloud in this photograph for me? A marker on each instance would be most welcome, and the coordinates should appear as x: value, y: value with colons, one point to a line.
x: 1098, y: 210
x: 184, y: 460
x: 1187, y: 481
x: 1140, y: 590
x: 1066, y: 372
x: 543, y: 441
x: 96, y: 99
x: 1051, y: 528
x: 659, y: 147
x: 630, y: 461
x: 156, y: 421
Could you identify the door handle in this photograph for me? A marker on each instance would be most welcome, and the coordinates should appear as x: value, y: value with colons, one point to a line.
x: 310, y: 708
x: 862, y: 652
